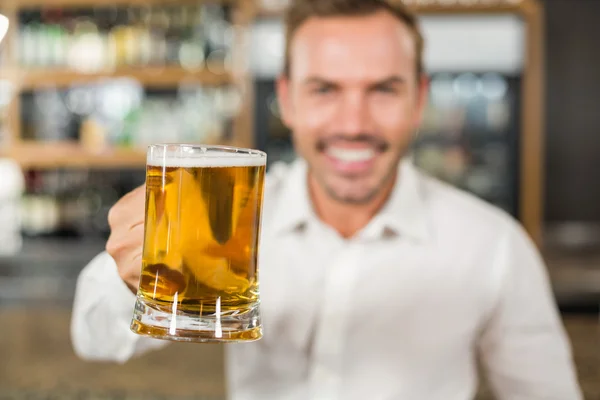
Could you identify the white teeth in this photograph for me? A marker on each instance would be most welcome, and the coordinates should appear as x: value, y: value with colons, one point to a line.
x: 351, y: 155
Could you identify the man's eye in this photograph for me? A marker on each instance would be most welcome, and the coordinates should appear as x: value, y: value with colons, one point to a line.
x: 385, y: 89
x: 323, y: 89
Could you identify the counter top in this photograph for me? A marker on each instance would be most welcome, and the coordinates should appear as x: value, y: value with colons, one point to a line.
x: 36, y: 344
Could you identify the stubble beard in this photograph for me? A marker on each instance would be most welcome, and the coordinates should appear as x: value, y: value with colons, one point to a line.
x: 367, y: 197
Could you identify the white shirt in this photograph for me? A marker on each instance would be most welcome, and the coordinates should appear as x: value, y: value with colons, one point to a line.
x: 400, y: 311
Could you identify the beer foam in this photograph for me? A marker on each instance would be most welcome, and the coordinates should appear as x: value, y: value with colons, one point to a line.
x: 206, y: 160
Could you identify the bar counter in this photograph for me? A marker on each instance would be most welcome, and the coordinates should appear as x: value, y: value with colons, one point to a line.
x: 37, y: 360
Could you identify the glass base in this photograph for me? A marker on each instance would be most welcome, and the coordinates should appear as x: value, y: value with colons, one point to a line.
x: 154, y: 322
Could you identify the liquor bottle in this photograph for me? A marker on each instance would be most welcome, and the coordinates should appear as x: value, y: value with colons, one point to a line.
x: 158, y: 25
x: 192, y: 52
x: 118, y: 40
x: 175, y: 32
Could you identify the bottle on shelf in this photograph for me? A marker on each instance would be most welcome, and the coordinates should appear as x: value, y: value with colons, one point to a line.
x: 194, y: 46
x: 72, y: 202
x: 107, y: 37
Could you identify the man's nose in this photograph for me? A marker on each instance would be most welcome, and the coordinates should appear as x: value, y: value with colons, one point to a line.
x: 353, y: 117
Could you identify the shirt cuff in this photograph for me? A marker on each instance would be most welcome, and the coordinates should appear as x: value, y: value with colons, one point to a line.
x: 122, y: 300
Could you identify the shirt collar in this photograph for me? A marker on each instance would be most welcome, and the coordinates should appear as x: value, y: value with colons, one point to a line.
x: 294, y: 207
x: 403, y: 214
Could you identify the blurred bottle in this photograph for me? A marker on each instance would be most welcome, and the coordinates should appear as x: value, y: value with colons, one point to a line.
x: 40, y: 213
x: 88, y: 50
x: 47, y: 116
x: 158, y: 26
x: 194, y: 46
x: 67, y: 203
x: 93, y: 136
x: 117, y: 38
x: 137, y: 39
x: 57, y: 38
x: 144, y: 36
x: 219, y: 33
x: 28, y: 39
x: 105, y: 18
x: 174, y: 35
x: 109, y: 36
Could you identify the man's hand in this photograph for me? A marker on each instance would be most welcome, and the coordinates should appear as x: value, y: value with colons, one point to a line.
x: 125, y: 244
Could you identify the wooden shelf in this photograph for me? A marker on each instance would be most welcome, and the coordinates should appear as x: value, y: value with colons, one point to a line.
x: 51, y: 155
x: 148, y: 76
x: 96, y: 3
x: 47, y: 155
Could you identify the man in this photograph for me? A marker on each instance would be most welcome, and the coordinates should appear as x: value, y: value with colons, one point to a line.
x: 376, y: 281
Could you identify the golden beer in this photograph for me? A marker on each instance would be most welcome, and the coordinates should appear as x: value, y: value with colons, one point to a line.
x: 199, y: 277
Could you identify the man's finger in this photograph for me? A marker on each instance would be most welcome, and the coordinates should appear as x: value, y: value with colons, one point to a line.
x: 128, y: 211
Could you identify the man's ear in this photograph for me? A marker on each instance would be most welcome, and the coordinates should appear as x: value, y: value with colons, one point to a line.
x: 283, y: 87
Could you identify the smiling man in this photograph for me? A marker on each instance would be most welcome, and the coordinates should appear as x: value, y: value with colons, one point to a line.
x: 376, y: 280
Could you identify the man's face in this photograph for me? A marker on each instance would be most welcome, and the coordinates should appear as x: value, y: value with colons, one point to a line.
x: 353, y: 101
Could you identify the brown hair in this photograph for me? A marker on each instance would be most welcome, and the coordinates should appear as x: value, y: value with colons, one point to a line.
x: 300, y: 11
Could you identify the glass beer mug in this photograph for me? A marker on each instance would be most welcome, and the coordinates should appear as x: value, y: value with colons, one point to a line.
x: 199, y: 279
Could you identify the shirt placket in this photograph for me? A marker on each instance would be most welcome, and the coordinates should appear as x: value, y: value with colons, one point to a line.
x: 333, y: 323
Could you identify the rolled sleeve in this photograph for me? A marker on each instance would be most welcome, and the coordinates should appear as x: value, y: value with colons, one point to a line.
x: 102, y: 313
